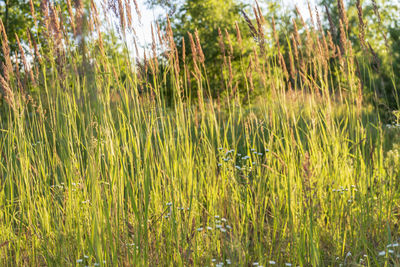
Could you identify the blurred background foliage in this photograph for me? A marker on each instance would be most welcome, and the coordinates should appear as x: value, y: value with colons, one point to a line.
x: 226, y: 50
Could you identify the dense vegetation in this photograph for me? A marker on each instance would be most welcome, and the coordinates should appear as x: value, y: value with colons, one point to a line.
x: 281, y: 146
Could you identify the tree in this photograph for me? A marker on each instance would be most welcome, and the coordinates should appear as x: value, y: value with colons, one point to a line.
x: 209, y: 19
x: 16, y: 18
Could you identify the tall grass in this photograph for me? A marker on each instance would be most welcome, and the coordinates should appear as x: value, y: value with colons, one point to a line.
x: 99, y: 167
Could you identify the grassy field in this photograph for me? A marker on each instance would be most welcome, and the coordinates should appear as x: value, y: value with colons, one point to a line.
x: 97, y: 171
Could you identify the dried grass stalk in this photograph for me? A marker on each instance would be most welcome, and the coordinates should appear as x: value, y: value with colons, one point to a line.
x: 361, y: 24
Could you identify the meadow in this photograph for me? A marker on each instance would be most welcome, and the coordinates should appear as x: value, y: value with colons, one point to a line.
x: 108, y: 163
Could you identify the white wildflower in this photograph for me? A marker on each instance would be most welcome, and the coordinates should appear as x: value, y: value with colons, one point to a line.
x: 392, y: 245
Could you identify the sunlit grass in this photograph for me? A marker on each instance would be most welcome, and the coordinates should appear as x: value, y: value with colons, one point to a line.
x: 96, y: 172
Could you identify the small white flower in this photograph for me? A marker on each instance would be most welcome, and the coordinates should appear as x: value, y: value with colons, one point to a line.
x: 238, y: 167
x: 390, y: 251
x: 348, y: 254
x: 218, y: 226
x: 213, y: 260
x: 288, y: 264
x: 96, y: 264
x: 86, y: 257
x: 382, y: 253
x: 229, y: 227
x: 79, y: 261
x: 223, y: 219
x: 219, y: 164
x: 272, y: 262
x: 255, y: 263
x: 199, y: 229
x: 220, y: 148
x: 216, y: 216
x: 223, y: 230
x: 252, y: 150
x: 209, y: 228
x: 260, y: 154
x: 169, y: 204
